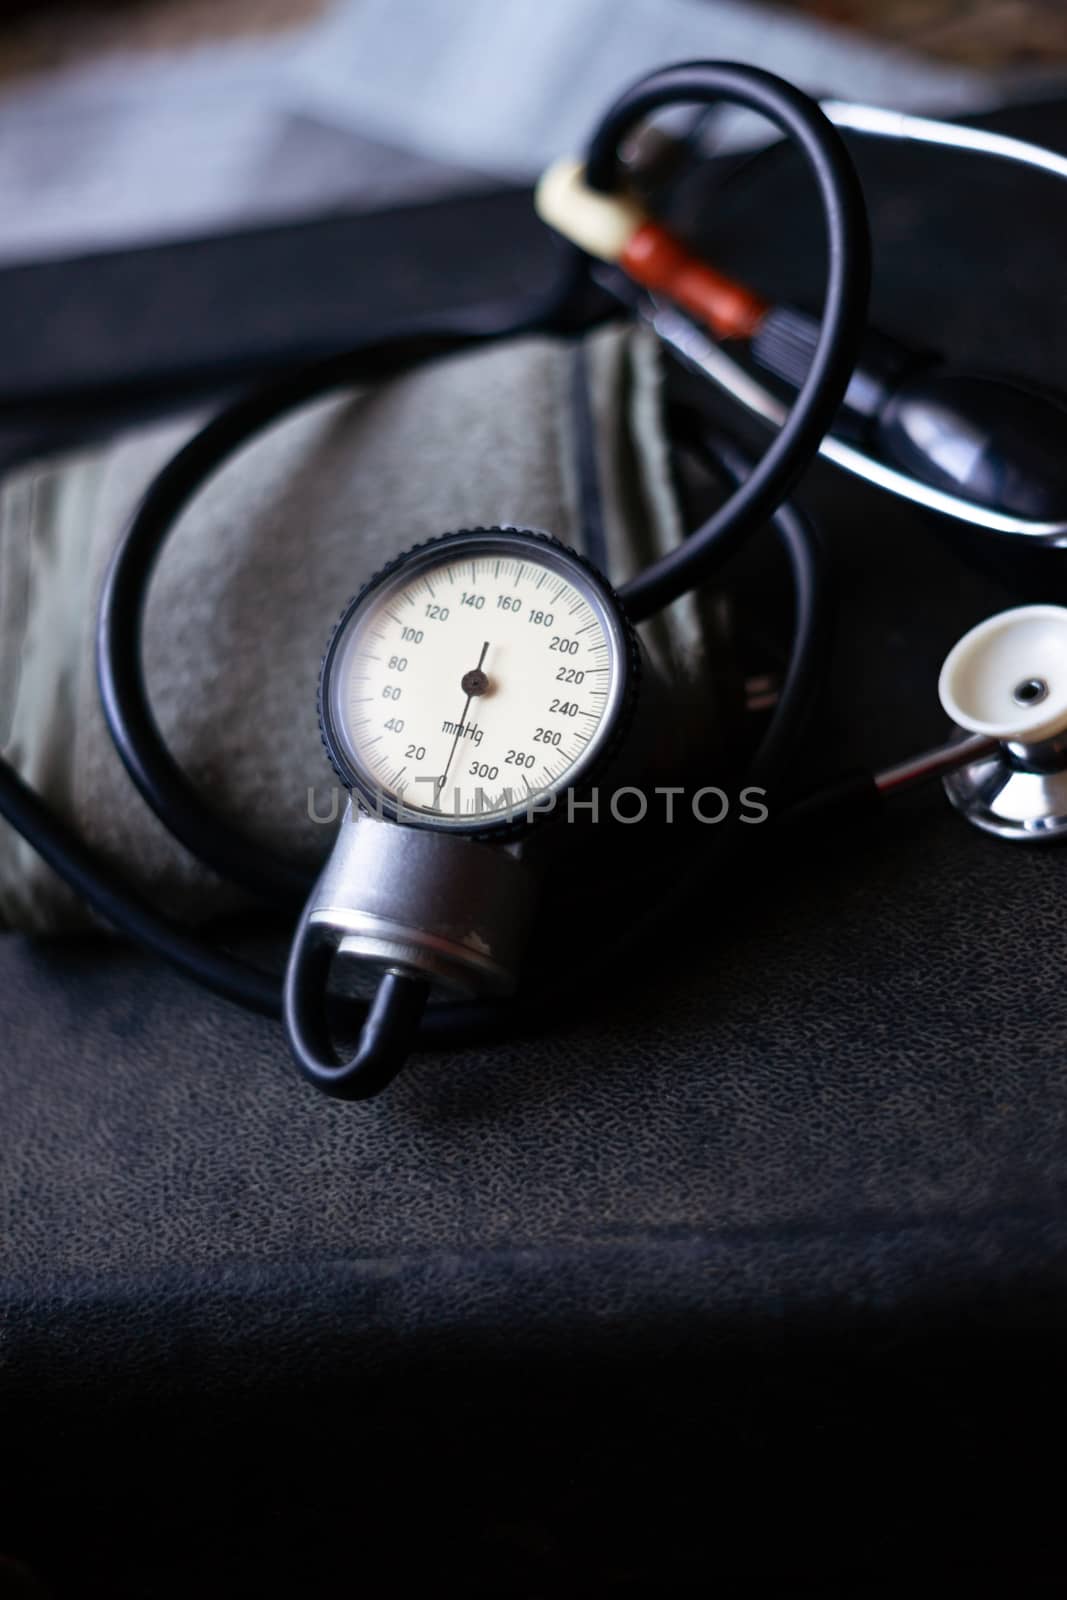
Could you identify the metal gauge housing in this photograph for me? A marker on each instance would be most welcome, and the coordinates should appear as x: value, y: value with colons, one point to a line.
x: 474, y: 676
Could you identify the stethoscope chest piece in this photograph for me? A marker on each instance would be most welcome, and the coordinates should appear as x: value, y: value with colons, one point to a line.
x: 1007, y: 680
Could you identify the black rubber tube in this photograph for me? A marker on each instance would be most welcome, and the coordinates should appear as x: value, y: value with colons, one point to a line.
x: 844, y: 302
x: 387, y: 1037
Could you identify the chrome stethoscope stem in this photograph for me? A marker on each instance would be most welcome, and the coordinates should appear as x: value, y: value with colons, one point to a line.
x: 935, y: 763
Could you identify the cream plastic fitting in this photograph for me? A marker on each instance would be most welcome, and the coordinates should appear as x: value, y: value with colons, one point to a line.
x: 1007, y: 678
x: 600, y: 224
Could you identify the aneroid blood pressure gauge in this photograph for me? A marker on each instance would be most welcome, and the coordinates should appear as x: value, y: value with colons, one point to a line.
x: 474, y: 676
x: 476, y: 687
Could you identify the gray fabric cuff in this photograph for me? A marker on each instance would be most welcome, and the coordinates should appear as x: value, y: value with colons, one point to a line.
x: 259, y: 569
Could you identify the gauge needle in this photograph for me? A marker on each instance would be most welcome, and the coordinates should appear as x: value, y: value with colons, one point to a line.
x: 472, y: 683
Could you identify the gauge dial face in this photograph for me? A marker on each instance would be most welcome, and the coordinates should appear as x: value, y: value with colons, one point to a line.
x: 483, y: 670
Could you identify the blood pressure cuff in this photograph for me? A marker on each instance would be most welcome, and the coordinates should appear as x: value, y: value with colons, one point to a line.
x: 259, y: 567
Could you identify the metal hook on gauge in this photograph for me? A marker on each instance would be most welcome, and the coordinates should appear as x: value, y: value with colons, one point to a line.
x: 416, y: 906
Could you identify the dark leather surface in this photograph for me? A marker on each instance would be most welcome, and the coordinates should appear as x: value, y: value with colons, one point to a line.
x: 851, y: 1083
x: 790, y: 1195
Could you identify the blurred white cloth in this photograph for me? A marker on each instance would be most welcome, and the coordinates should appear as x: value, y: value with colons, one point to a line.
x: 379, y: 101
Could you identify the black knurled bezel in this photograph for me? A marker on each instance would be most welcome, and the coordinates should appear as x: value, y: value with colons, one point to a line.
x: 505, y: 828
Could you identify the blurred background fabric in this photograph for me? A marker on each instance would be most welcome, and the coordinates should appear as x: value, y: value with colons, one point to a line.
x: 125, y: 121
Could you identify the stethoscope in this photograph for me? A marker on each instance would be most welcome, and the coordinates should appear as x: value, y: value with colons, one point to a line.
x: 487, y: 689
x: 693, y: 347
